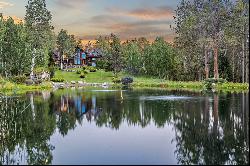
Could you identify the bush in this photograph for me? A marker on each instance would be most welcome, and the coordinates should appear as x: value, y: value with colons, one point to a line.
x: 85, y: 72
x: 57, y: 79
x: 127, y: 80
x: 18, y: 79
x: 40, y: 70
x: 78, y: 72
x: 82, y: 75
x: 92, y: 69
x: 83, y: 67
x: 116, y: 80
x: 52, y: 71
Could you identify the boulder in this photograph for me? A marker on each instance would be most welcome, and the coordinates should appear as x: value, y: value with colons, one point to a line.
x: 127, y: 80
x: 29, y: 82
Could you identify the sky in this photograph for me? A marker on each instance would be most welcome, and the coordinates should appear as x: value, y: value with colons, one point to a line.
x: 87, y: 19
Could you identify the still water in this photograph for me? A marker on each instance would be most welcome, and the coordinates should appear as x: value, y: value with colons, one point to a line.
x: 124, y: 127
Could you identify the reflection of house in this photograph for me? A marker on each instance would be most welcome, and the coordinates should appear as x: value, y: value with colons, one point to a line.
x: 79, y: 105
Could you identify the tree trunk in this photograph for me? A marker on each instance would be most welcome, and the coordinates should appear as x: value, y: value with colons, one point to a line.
x: 206, y: 64
x: 61, y: 60
x: 247, y: 69
x: 243, y: 61
x: 33, y: 63
x: 247, y: 60
x: 233, y: 66
x: 216, y: 71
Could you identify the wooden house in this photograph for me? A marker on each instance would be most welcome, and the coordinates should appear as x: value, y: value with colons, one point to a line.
x: 81, y: 57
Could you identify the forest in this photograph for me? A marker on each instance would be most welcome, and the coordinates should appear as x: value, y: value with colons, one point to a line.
x: 211, y: 42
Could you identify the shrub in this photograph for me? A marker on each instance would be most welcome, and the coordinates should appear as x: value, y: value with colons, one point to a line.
x: 57, y: 79
x: 116, y: 80
x: 92, y: 69
x: 18, y: 79
x: 78, y: 72
x: 52, y: 71
x: 40, y: 70
x: 82, y: 75
x: 127, y: 80
x: 83, y: 67
x: 85, y: 72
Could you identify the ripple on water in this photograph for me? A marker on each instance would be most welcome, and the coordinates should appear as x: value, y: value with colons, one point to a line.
x: 172, y: 97
x: 107, y: 90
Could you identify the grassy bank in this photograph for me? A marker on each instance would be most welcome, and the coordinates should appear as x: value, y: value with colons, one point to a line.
x: 7, y: 86
x: 139, y: 82
x: 235, y: 87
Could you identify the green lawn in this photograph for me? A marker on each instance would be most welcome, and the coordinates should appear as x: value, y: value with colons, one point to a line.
x: 100, y: 76
x: 92, y: 77
x: 143, y: 81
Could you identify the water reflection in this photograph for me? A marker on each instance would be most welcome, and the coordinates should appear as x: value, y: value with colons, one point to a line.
x: 208, y: 129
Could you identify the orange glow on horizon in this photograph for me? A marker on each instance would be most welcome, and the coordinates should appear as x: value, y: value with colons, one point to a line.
x: 16, y: 19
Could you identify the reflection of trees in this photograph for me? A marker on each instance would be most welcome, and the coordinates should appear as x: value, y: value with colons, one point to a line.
x: 214, y: 130
x: 25, y: 132
x: 114, y: 112
x: 213, y: 135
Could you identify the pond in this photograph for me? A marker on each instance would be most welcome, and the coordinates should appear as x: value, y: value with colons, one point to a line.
x: 96, y: 126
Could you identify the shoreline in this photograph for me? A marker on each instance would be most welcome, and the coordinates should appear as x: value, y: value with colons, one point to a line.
x: 169, y: 85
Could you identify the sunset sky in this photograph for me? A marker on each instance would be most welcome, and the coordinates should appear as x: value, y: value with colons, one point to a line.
x: 89, y: 18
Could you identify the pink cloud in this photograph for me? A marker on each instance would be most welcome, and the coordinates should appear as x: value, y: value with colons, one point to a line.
x: 5, y: 4
x: 163, y: 12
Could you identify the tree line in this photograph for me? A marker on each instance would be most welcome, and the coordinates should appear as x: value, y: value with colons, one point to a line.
x: 211, y: 42
x: 212, y: 39
x: 29, y: 45
x: 138, y: 56
x: 26, y: 46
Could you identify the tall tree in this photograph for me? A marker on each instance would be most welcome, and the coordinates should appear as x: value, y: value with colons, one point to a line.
x: 2, y: 29
x: 200, y: 25
x: 103, y: 43
x: 239, y: 32
x: 133, y: 56
x: 187, y: 40
x: 116, y: 58
x: 160, y: 60
x: 15, y: 56
x: 38, y: 24
x: 66, y: 44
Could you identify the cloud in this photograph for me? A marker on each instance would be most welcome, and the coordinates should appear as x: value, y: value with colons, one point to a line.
x: 5, y: 4
x: 105, y: 24
x: 148, y: 22
x: 69, y: 3
x: 162, y: 12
